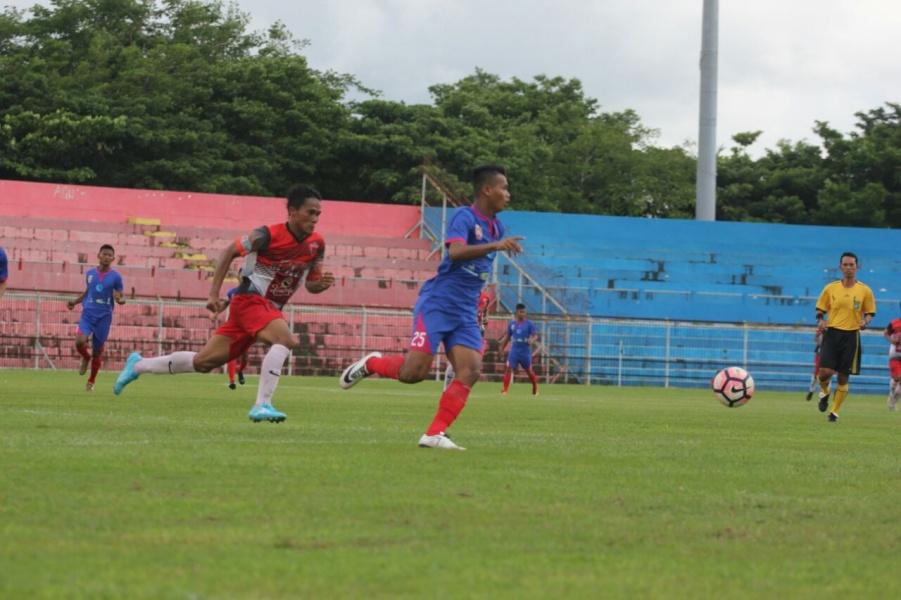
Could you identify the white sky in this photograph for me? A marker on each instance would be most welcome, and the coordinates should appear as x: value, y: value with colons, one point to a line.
x: 782, y: 63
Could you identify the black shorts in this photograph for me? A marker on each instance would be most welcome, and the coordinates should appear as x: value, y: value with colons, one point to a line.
x: 841, y: 351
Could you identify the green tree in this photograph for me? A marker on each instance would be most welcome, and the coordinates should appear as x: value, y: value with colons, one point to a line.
x: 175, y: 94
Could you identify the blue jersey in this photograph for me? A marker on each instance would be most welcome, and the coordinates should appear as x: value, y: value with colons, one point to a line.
x: 458, y: 283
x: 4, y: 267
x: 520, y: 332
x: 98, y: 298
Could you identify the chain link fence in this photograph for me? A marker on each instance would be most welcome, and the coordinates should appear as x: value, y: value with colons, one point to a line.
x: 37, y: 331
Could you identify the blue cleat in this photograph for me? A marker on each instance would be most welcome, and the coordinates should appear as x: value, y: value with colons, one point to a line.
x: 266, y: 412
x: 128, y: 373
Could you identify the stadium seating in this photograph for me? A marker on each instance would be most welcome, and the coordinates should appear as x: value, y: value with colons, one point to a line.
x: 50, y: 248
x: 691, y: 270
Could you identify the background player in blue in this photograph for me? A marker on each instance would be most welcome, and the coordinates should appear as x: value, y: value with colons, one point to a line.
x: 522, y: 333
x: 103, y: 287
x: 446, y: 309
x: 4, y: 271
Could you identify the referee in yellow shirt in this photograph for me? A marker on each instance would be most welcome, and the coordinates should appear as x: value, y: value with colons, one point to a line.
x: 850, y: 307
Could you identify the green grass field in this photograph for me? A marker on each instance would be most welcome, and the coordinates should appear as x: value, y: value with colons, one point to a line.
x: 170, y: 492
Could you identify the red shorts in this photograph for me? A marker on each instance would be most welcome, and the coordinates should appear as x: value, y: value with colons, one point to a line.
x: 248, y: 314
x: 894, y: 366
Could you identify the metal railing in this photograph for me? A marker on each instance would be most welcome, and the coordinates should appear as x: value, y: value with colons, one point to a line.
x: 37, y: 331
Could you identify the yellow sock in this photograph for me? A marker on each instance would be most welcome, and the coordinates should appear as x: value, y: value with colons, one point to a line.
x: 824, y: 385
x: 841, y: 392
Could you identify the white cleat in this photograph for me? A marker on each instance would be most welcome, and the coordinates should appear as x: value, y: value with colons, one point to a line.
x: 439, y: 440
x: 356, y: 372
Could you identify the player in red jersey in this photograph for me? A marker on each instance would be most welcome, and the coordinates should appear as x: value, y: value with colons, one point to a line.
x: 893, y: 335
x: 485, y: 300
x: 235, y: 366
x: 276, y: 259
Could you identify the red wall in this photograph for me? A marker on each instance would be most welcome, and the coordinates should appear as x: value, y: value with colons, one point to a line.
x: 86, y: 203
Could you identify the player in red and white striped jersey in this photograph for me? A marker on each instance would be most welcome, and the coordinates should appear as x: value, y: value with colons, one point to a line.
x: 276, y: 259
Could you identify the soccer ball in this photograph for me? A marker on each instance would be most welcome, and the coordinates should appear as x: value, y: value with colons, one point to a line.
x: 733, y: 386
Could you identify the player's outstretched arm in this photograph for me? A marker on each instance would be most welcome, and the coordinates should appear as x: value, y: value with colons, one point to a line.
x: 73, y: 303
x: 215, y: 304
x: 319, y: 281
x: 462, y: 251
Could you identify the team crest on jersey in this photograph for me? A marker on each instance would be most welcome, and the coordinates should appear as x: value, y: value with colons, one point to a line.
x: 477, y: 231
x: 856, y: 304
x: 314, y: 247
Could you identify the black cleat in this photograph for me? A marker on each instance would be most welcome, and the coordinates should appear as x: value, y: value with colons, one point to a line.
x: 824, y: 403
x: 241, y: 377
x: 231, y: 386
x: 809, y: 396
x: 833, y: 418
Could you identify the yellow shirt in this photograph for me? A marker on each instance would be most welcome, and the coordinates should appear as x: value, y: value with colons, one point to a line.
x: 846, y: 306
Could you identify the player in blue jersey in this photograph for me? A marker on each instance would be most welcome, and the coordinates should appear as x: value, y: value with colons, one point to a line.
x: 522, y: 333
x: 4, y: 271
x: 103, y: 287
x: 446, y: 309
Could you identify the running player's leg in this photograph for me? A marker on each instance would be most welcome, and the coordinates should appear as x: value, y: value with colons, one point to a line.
x: 533, y: 377
x: 895, y: 396
x: 525, y: 361
x: 468, y: 367
x: 278, y: 334
x: 814, y: 380
x: 232, y: 367
x: 214, y: 354
x: 242, y: 364
x: 829, y: 354
x: 98, y: 341
x: 463, y: 345
x: 428, y: 331
x: 448, y: 375
x: 841, y: 392
x: 85, y: 327
x: 848, y: 364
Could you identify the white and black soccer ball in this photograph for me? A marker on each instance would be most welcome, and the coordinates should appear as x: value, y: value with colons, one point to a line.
x: 733, y: 386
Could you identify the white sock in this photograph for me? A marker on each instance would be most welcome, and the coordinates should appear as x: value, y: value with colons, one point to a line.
x: 270, y: 372
x: 172, y: 364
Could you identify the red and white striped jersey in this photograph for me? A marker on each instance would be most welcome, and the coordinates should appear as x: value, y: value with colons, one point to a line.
x: 277, y: 268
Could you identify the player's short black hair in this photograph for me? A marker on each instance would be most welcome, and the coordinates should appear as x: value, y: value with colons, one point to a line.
x: 484, y: 174
x: 106, y: 247
x: 299, y: 193
x: 852, y: 255
x: 520, y: 306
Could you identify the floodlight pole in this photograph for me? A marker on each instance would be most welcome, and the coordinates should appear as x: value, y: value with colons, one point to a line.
x: 705, y: 200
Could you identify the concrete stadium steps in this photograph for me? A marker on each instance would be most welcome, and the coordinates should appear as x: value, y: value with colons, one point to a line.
x: 698, y: 271
x: 194, y: 284
x: 371, y: 270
